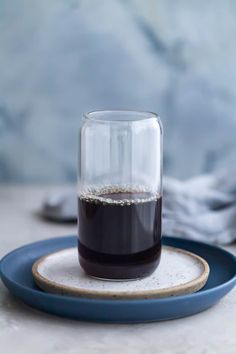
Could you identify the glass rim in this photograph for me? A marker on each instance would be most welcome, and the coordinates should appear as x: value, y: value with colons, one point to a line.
x: 102, y: 116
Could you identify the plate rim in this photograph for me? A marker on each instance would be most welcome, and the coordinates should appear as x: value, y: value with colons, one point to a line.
x: 229, y: 283
x: 181, y: 289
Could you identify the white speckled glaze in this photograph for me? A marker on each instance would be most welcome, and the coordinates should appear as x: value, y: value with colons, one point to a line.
x: 179, y: 272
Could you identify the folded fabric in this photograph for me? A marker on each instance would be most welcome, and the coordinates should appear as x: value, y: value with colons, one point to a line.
x: 201, y: 208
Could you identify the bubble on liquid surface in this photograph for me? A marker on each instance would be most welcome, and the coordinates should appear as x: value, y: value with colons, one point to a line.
x: 119, y: 195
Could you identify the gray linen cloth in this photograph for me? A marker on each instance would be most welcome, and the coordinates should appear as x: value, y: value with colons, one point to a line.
x: 201, y: 208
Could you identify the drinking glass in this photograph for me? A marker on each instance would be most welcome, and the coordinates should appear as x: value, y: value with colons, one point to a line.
x: 120, y: 194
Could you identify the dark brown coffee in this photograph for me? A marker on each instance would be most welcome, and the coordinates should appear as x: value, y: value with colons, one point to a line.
x: 119, y: 233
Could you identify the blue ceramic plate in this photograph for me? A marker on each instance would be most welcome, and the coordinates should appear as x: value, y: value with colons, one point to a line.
x: 17, y: 276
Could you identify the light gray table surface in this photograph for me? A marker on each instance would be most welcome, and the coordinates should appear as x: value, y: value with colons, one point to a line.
x: 24, y: 330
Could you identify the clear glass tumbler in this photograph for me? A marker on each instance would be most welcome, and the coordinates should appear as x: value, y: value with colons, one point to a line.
x: 120, y: 194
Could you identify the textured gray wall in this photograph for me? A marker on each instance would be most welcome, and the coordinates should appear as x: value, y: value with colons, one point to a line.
x: 61, y: 58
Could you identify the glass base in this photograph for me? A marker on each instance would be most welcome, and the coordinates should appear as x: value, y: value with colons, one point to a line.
x: 114, y: 280
x: 111, y: 272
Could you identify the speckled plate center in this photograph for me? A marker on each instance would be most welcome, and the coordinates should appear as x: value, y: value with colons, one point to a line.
x: 180, y: 272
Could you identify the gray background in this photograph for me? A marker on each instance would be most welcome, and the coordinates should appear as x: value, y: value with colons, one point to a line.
x: 61, y: 58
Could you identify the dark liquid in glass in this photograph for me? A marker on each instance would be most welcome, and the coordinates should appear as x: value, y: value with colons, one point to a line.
x: 119, y: 234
